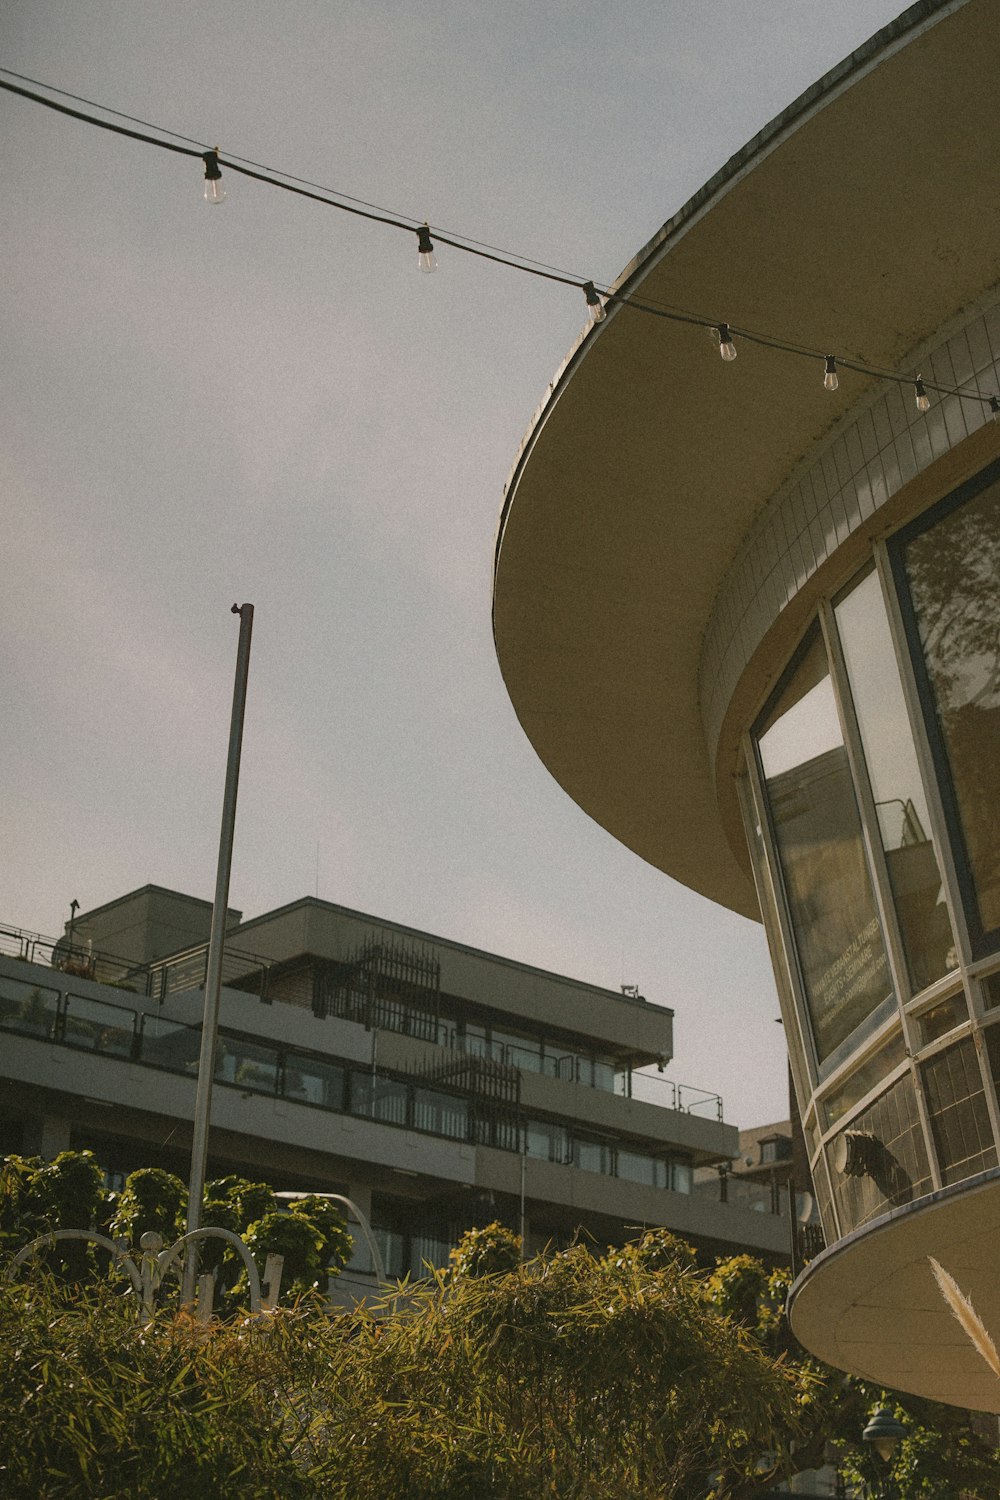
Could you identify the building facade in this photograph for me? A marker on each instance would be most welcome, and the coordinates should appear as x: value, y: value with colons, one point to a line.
x: 776, y: 579
x: 435, y: 1085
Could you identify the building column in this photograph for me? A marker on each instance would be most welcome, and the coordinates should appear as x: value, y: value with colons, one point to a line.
x: 361, y: 1195
x: 46, y: 1136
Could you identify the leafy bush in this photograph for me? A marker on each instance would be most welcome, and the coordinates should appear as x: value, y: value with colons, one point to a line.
x: 491, y: 1251
x: 152, y: 1199
x: 68, y: 1193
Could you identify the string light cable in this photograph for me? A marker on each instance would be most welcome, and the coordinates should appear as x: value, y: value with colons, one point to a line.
x: 600, y: 300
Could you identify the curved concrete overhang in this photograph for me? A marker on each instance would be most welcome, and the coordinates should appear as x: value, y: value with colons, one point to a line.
x: 870, y: 1304
x: 857, y: 223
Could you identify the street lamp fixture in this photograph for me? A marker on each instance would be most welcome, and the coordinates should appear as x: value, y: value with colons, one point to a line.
x: 884, y: 1434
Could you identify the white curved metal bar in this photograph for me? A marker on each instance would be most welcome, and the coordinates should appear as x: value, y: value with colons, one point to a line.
x: 167, y: 1257
x: 377, y: 1263
x: 46, y: 1241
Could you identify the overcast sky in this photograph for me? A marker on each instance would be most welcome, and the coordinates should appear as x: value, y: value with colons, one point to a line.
x: 266, y: 402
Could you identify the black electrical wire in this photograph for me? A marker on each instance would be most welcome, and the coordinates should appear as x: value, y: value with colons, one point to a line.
x: 331, y: 198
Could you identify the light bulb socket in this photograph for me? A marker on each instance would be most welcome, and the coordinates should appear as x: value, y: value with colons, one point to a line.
x: 213, y: 171
x: 425, y: 245
x: 726, y: 346
x: 920, y: 394
x: 594, y: 302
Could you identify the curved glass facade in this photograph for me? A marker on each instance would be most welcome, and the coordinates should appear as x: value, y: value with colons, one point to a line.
x: 873, y: 811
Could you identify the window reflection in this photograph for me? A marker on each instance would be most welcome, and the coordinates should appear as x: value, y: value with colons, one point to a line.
x: 897, y: 790
x: 956, y: 1103
x: 817, y: 831
x: 952, y: 568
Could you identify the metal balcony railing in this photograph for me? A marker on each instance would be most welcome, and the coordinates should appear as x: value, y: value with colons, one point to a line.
x: 293, y: 982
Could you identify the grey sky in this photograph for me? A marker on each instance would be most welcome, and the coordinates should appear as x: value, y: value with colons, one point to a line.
x: 267, y: 402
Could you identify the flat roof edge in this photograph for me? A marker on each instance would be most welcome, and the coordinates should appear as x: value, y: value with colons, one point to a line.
x: 429, y: 937
x: 896, y: 34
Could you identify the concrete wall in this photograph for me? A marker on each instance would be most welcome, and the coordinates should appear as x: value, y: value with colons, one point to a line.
x: 146, y: 924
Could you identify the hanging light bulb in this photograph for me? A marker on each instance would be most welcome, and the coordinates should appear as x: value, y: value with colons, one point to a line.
x: 214, y: 191
x: 426, y: 258
x: 594, y: 303
x: 922, y: 398
x: 995, y: 408
x: 726, y: 346
x: 830, y: 378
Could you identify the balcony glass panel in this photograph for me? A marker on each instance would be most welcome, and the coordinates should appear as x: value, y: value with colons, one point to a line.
x: 311, y: 1081
x: 896, y: 785
x: 170, y: 1044
x: 27, y: 1008
x: 817, y: 831
x: 98, y: 1027
x: 249, y: 1067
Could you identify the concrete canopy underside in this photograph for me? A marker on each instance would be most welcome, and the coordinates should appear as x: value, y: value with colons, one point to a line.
x: 858, y: 222
x: 871, y: 1305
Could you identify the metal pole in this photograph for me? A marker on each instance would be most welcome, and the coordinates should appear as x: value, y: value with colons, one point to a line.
x: 216, y: 945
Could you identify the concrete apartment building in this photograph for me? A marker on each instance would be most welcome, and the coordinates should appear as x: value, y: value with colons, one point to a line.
x: 746, y: 610
x: 435, y: 1085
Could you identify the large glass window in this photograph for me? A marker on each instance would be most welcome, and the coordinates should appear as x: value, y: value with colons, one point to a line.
x: 950, y: 570
x: 444, y: 1114
x: 956, y: 1103
x: 817, y: 831
x: 879, y: 1161
x: 897, y: 789
x: 547, y: 1140
x: 314, y: 1081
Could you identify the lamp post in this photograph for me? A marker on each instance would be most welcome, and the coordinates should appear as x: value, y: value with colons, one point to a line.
x: 884, y: 1434
x: 213, y: 963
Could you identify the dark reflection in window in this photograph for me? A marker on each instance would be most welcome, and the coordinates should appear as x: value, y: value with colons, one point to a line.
x: 956, y: 1103
x: 864, y: 1079
x: 879, y: 1162
x: 952, y: 568
x: 991, y: 990
x: 943, y: 1017
x: 817, y: 830
x: 897, y: 790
